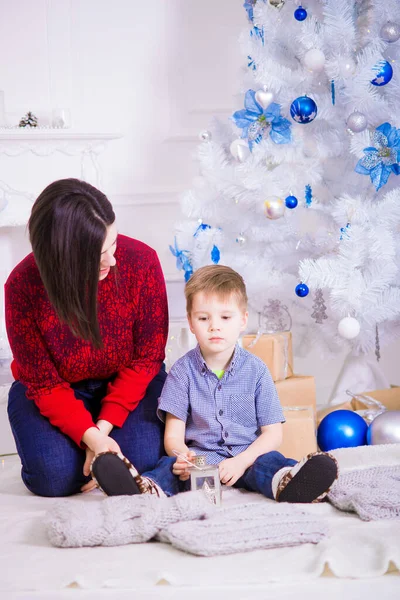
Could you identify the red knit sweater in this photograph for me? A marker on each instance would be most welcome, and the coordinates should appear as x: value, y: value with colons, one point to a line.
x: 133, y: 320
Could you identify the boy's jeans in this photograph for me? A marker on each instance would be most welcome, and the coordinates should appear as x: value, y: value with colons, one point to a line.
x: 257, y: 478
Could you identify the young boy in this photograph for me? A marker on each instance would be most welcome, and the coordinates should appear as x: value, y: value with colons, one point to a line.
x: 220, y: 401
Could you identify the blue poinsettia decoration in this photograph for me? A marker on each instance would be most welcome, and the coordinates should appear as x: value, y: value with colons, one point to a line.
x: 257, y: 122
x: 381, y: 159
x: 182, y: 260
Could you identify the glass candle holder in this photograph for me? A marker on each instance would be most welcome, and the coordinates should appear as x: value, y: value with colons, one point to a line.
x: 206, y: 478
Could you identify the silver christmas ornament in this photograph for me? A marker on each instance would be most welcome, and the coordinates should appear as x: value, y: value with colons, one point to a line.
x: 319, y: 313
x: 264, y: 97
x: 241, y: 240
x: 205, y: 136
x: 276, y: 3
x: 357, y: 122
x: 390, y: 32
x: 274, y: 208
x: 385, y: 428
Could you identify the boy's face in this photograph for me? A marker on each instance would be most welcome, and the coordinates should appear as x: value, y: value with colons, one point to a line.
x: 216, y: 322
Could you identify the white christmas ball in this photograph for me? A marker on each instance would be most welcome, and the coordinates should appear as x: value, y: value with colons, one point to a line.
x: 357, y: 122
x: 347, y: 67
x: 390, y: 32
x: 264, y: 97
x: 241, y: 239
x: 349, y: 328
x: 314, y: 60
x: 239, y: 149
x: 274, y: 208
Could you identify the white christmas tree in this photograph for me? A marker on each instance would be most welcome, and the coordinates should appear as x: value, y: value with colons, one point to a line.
x: 298, y: 190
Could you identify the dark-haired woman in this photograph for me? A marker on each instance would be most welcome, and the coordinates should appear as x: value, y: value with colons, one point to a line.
x: 87, y: 321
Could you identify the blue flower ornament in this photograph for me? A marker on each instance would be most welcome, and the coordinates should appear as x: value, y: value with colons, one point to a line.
x: 381, y: 159
x: 182, y: 260
x: 257, y: 122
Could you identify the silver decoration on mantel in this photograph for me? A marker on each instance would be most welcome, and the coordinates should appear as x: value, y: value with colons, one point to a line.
x: 390, y: 32
x: 357, y: 122
x: 319, y: 307
x: 275, y: 317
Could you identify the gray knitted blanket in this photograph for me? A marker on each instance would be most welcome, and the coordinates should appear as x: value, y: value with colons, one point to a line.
x: 187, y: 521
x: 372, y: 493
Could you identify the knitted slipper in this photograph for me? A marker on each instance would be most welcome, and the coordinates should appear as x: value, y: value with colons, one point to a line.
x: 115, y: 475
x: 308, y: 481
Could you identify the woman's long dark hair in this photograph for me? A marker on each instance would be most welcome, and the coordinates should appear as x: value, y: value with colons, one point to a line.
x: 67, y: 229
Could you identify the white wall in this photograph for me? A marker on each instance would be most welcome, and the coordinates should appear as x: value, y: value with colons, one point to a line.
x: 156, y: 72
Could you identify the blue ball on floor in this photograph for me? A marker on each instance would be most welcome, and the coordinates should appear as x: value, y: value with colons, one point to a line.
x: 341, y: 429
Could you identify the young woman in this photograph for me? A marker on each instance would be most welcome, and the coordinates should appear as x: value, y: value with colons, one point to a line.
x: 87, y: 321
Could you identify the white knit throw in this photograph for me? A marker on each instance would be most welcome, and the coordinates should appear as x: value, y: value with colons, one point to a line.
x: 188, y: 521
x: 372, y: 493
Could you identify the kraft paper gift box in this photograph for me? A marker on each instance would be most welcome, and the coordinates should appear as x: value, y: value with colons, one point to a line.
x: 389, y: 398
x: 298, y: 390
x: 299, y: 436
x: 275, y: 350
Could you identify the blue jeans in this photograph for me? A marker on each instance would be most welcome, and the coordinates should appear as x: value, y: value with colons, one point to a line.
x: 52, y: 464
x: 257, y: 478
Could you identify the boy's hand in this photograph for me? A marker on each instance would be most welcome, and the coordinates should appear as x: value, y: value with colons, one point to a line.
x: 231, y: 469
x: 181, y: 468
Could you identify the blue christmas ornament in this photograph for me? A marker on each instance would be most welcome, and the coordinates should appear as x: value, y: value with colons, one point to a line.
x: 341, y: 429
x: 215, y: 255
x: 301, y: 290
x: 300, y: 14
x: 291, y: 202
x: 384, y: 73
x: 303, y: 110
x: 257, y: 122
x: 383, y: 158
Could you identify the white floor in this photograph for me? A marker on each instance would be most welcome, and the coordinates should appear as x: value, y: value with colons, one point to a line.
x: 21, y: 516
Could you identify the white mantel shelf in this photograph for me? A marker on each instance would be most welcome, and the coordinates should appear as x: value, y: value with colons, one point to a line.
x: 44, y: 142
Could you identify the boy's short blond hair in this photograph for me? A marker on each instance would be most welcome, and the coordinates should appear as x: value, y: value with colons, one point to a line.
x: 216, y: 279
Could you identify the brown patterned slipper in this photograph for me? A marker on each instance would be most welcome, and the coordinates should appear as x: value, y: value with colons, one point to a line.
x: 308, y: 481
x: 115, y: 475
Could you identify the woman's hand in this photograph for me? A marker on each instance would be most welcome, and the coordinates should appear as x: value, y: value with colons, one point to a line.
x: 181, y: 467
x: 90, y: 485
x: 96, y: 442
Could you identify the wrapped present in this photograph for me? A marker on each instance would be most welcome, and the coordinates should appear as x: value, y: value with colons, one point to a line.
x: 275, y: 349
x: 299, y: 436
x: 390, y: 398
x: 367, y: 404
x: 298, y: 390
x: 326, y: 411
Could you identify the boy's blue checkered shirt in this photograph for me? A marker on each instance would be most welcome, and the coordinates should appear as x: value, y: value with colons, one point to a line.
x: 223, y: 416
